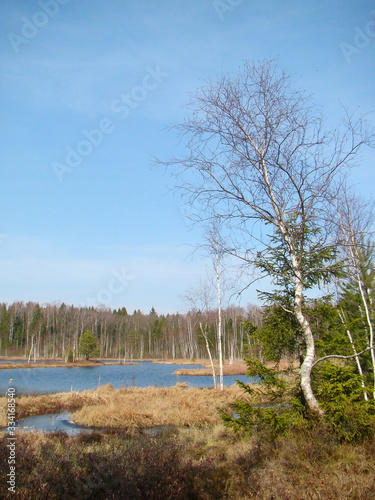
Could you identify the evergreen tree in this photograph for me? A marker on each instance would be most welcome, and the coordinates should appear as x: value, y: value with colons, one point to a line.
x: 88, y: 346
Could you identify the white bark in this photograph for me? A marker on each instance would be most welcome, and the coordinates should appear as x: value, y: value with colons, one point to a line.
x: 219, y: 327
x: 31, y: 348
x: 359, y: 366
x: 209, y: 354
x: 264, y: 159
x: 351, y: 246
x: 306, y: 367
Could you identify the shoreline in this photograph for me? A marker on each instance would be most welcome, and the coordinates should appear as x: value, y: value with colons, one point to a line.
x: 130, y: 407
x: 238, y: 367
x: 58, y: 364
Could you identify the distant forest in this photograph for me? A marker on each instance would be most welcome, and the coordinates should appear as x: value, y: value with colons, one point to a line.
x: 51, y: 331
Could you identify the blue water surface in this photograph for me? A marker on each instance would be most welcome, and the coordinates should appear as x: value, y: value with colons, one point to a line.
x: 146, y: 373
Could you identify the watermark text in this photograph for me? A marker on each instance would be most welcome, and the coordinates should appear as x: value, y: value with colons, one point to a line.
x: 11, y: 475
x: 31, y: 26
x: 362, y: 39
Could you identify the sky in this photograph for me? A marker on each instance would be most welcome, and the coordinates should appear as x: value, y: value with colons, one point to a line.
x: 88, y: 91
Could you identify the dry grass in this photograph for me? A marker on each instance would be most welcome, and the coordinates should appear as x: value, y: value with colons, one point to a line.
x: 27, y: 406
x: 133, y: 407
x: 177, y: 361
x: 207, y: 463
x: 153, y: 406
x: 305, y: 465
x: 312, y: 466
x: 59, y: 364
x: 237, y: 368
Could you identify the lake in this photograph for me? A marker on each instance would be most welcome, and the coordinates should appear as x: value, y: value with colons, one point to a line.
x: 146, y: 373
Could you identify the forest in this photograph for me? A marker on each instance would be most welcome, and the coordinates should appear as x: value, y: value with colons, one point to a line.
x: 50, y: 331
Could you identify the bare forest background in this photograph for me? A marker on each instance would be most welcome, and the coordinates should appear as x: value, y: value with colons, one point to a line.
x: 52, y: 330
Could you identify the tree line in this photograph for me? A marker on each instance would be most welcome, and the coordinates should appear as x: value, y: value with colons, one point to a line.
x: 39, y: 331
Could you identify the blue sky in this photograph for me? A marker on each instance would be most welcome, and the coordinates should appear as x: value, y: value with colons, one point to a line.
x: 106, y: 228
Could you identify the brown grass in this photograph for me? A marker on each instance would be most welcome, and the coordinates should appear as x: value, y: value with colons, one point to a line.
x: 304, y: 465
x: 208, y: 461
x: 178, y: 361
x: 153, y: 406
x: 237, y: 368
x: 133, y: 407
x: 204, y: 463
x: 59, y: 364
x: 27, y: 406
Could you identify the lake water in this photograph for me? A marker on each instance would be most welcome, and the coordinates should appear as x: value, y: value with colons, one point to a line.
x: 51, y: 423
x: 146, y: 373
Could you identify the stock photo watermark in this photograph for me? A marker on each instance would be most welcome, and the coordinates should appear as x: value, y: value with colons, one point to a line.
x: 121, y: 108
x: 116, y: 285
x: 224, y: 6
x: 32, y: 26
x: 362, y: 39
x: 11, y: 446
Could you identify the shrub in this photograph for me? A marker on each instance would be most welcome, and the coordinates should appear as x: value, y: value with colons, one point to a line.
x: 69, y: 356
x: 340, y: 393
x: 278, y: 418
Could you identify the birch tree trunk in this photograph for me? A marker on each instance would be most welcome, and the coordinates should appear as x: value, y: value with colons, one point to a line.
x: 306, y: 367
x: 219, y: 326
x: 261, y: 160
x: 209, y: 354
x: 359, y: 366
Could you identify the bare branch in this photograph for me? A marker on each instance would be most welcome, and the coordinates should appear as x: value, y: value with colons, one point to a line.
x: 336, y: 356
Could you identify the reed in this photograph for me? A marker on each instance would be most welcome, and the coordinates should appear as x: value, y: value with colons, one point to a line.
x: 132, y: 407
x: 59, y: 364
x: 207, y: 463
x: 154, y: 406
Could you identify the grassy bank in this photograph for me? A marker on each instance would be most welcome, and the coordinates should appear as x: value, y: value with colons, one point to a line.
x: 190, y: 463
x: 194, y: 457
x: 59, y: 364
x: 133, y: 407
x: 238, y: 367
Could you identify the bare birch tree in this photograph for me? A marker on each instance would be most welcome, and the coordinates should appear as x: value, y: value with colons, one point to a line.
x: 200, y: 299
x: 215, y: 246
x: 260, y: 160
x: 355, y: 221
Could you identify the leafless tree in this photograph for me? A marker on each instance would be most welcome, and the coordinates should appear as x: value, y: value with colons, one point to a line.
x: 355, y: 227
x: 260, y: 160
x: 200, y: 300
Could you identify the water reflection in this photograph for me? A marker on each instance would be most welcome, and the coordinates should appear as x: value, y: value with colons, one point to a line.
x: 51, y: 423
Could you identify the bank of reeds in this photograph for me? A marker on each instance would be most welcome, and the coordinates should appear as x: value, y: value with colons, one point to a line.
x: 132, y: 407
x: 237, y: 368
x: 197, y: 463
x: 156, y: 406
x: 60, y: 364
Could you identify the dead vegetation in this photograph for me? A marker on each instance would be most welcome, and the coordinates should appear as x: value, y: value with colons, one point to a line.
x: 194, y: 457
x: 238, y: 367
x: 207, y: 463
x: 60, y: 364
x: 132, y: 407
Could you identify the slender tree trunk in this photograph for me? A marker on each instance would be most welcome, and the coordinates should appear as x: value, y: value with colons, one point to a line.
x: 369, y: 323
x: 341, y: 314
x: 355, y: 258
x: 31, y: 348
x: 209, y: 354
x: 219, y: 330
x: 305, y: 370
